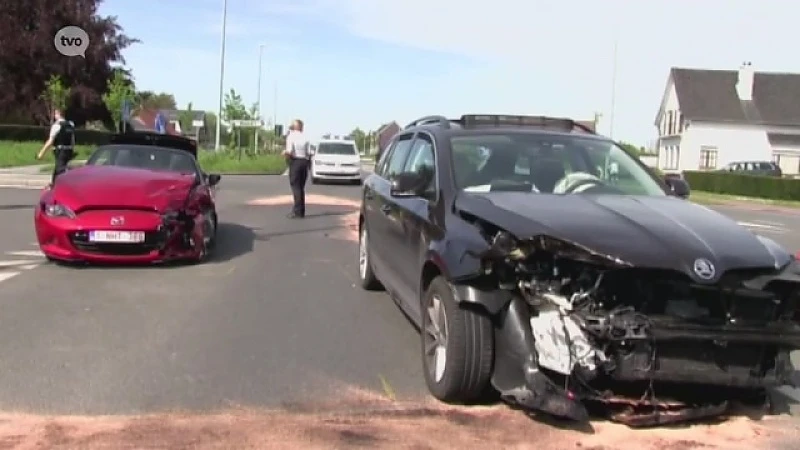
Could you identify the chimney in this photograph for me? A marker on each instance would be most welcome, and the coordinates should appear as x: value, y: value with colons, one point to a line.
x: 744, y: 84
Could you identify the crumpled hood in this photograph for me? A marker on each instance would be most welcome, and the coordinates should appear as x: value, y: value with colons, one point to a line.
x: 121, y: 187
x: 645, y: 231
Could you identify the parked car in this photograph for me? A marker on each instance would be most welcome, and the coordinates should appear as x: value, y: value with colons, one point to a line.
x: 765, y: 168
x: 336, y: 159
x: 142, y: 198
x: 531, y: 273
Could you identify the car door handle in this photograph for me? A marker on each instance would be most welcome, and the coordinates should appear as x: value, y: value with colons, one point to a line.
x: 386, y: 209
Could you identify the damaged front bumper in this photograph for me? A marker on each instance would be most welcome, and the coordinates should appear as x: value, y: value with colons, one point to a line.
x: 646, y: 347
x: 676, y: 372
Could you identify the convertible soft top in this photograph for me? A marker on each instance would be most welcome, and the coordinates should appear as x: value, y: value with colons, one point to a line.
x: 156, y: 139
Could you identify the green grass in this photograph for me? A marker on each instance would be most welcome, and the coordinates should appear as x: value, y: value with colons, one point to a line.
x: 711, y: 198
x: 226, y: 163
x: 16, y: 154
x: 229, y: 162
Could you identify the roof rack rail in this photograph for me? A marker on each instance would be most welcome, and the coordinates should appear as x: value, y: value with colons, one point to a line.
x: 443, y: 121
x: 560, y: 123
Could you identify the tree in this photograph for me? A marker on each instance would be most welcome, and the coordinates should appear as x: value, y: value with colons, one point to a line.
x: 233, y: 107
x: 151, y: 100
x: 186, y: 117
x: 55, y: 94
x: 28, y: 60
x: 360, y: 137
x: 632, y: 149
x: 119, y: 90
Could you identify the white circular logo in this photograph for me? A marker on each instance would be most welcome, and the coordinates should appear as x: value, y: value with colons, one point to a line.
x: 71, y: 41
x: 704, y: 269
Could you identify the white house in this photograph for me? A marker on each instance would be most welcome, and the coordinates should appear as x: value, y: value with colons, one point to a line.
x: 709, y: 118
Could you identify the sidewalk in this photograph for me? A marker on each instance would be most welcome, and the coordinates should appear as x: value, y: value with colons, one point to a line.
x: 25, y: 177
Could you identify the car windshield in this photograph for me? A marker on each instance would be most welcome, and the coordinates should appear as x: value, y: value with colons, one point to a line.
x: 143, y: 157
x: 337, y: 148
x: 552, y: 164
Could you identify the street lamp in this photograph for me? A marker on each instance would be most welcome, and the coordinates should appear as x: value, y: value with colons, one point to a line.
x: 258, y: 93
x: 221, y: 72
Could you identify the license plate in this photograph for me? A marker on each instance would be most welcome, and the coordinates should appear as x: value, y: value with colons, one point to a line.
x: 132, y: 237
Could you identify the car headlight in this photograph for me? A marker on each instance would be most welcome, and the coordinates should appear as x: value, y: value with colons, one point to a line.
x: 58, y: 210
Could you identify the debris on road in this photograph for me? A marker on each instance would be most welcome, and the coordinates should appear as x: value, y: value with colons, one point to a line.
x: 381, y: 426
x: 348, y: 218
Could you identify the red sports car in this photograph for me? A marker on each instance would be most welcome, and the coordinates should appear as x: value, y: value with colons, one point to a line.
x: 142, y: 198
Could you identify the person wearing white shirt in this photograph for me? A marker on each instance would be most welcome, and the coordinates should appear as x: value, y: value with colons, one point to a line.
x: 298, y: 155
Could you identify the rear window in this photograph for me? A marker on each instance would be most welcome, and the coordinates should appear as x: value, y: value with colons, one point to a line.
x: 336, y: 148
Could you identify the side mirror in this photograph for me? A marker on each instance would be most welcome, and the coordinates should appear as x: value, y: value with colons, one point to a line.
x: 214, y: 179
x: 406, y: 184
x: 678, y: 186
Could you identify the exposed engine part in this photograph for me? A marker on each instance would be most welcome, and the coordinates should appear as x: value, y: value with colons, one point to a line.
x: 595, y: 321
x: 561, y: 344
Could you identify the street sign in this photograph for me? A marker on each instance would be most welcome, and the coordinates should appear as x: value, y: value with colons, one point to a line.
x: 247, y: 123
x: 198, y: 123
x: 161, y: 123
x: 126, y: 110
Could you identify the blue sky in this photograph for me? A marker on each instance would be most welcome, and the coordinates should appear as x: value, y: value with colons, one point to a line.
x: 339, y: 64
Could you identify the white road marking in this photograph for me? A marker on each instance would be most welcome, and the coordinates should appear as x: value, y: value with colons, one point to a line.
x: 7, y: 275
x: 767, y: 222
x: 13, y: 263
x: 29, y: 260
x: 763, y: 227
x: 27, y: 253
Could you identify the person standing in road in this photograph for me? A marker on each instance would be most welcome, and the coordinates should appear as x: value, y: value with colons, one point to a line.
x: 62, y: 139
x: 298, y: 155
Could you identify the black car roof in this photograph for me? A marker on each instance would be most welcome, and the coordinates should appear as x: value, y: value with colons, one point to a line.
x: 475, y: 124
x: 156, y: 140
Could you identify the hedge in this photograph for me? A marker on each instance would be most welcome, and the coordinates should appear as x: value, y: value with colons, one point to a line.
x: 28, y: 133
x: 758, y: 186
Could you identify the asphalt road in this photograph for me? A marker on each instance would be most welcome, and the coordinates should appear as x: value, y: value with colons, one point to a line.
x: 275, y: 318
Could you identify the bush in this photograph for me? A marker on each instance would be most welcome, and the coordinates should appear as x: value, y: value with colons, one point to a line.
x: 34, y: 133
x: 744, y: 185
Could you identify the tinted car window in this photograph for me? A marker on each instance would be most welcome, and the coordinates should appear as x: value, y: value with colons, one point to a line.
x: 336, y: 148
x: 422, y: 161
x: 397, y: 159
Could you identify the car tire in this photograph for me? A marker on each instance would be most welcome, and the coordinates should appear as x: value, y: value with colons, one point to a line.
x: 457, y: 346
x: 366, y: 275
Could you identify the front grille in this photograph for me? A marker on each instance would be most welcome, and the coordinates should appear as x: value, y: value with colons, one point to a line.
x: 724, y: 303
x: 153, y: 240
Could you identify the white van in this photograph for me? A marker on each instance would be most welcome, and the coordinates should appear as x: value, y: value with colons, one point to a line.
x: 336, y: 159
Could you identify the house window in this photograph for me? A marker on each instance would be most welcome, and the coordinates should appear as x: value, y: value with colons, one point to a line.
x: 708, y: 158
x: 682, y: 123
x: 669, y: 123
x: 671, y: 157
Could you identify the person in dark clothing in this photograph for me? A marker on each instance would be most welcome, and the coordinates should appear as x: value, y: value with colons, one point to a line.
x: 62, y: 140
x: 298, y: 155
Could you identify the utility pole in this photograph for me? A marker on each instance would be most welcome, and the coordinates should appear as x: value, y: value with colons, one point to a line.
x: 221, y: 72
x: 613, y: 91
x: 275, y: 103
x: 258, y: 94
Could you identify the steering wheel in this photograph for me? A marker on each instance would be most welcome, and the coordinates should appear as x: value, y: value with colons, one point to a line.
x: 576, y: 180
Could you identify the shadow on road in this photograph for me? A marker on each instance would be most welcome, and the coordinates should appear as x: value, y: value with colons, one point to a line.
x: 233, y: 241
